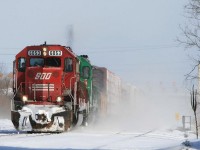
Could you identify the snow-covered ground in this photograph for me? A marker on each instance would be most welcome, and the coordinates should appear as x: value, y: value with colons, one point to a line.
x: 93, y: 137
x: 145, y: 123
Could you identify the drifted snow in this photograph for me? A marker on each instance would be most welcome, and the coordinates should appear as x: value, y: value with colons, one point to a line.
x: 93, y: 137
x: 137, y: 124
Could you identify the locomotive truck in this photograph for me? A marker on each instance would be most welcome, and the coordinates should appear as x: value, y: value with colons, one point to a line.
x: 54, y: 89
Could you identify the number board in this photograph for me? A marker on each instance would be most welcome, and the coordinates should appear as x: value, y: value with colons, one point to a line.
x: 34, y: 53
x: 55, y: 53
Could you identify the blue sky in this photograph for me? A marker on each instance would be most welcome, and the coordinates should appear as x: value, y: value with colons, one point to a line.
x: 134, y: 39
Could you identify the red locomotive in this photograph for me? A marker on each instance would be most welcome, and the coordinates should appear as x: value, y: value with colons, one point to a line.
x: 52, y: 89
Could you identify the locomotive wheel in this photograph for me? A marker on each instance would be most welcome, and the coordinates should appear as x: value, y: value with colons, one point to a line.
x: 80, y: 119
x: 85, y: 118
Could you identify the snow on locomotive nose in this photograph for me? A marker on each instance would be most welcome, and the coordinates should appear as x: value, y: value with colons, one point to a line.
x: 37, y: 117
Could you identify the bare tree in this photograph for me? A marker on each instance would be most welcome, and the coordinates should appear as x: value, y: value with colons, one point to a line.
x: 191, y: 40
x: 5, y: 80
x: 2, y: 68
x: 1, y: 77
x: 191, y: 32
x: 7, y: 84
x: 194, y: 107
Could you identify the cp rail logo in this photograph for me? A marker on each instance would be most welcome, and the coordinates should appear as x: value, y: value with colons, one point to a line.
x: 43, y: 76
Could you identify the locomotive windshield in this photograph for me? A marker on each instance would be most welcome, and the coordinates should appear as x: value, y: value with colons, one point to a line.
x: 49, y: 62
x: 37, y: 62
x: 53, y: 62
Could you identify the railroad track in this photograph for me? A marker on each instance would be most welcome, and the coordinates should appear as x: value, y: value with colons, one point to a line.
x: 134, y: 136
x: 21, y: 134
x: 112, y: 140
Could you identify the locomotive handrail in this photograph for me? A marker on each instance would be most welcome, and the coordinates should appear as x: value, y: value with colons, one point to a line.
x: 70, y: 86
x: 33, y: 88
x: 16, y: 92
x: 49, y: 97
x: 75, y: 102
x: 34, y: 93
x: 20, y: 87
x: 13, y: 98
x: 70, y: 94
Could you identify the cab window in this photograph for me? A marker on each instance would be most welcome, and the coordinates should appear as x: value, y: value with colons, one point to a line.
x: 36, y: 62
x: 52, y: 62
x: 68, y: 65
x: 86, y: 72
x: 21, y: 64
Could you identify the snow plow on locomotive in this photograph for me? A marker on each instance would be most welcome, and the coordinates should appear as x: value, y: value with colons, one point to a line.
x: 52, y: 89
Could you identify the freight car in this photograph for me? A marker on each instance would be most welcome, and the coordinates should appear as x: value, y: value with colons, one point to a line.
x: 108, y: 89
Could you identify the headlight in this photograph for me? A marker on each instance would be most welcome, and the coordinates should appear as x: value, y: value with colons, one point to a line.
x: 58, y: 99
x: 44, y: 49
x: 24, y: 98
x: 44, y: 53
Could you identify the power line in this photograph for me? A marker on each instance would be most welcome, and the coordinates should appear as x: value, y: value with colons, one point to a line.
x: 128, y: 49
x: 6, y: 54
x: 138, y: 47
x: 113, y: 48
x: 9, y: 48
